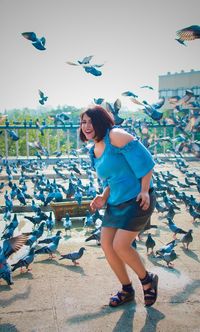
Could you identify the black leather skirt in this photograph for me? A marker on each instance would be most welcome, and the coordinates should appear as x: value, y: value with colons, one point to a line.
x: 129, y: 215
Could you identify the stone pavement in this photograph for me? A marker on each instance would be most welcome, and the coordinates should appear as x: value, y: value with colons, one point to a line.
x: 58, y: 296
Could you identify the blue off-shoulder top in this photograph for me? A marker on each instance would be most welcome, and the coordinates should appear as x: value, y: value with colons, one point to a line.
x: 122, y: 168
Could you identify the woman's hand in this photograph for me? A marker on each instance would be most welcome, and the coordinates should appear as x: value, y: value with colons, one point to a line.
x: 145, y: 200
x: 97, y: 203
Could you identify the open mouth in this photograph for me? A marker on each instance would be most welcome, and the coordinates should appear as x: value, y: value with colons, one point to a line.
x: 89, y: 132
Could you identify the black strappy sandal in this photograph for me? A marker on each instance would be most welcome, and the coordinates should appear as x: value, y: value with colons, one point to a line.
x: 150, y: 294
x: 121, y: 297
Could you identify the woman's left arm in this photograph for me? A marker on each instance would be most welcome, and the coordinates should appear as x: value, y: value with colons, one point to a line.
x: 144, y: 194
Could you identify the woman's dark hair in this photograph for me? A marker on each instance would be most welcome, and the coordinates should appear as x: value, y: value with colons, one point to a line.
x: 101, y: 121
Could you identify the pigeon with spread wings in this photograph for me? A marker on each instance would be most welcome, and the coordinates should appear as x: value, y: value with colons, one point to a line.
x: 87, y: 66
x: 43, y: 98
x: 187, y: 34
x: 38, y: 43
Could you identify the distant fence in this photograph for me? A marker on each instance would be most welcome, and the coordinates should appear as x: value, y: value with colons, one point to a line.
x: 64, y: 138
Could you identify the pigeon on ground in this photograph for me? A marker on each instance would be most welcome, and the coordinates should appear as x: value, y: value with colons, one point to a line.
x: 168, y: 257
x: 167, y: 248
x: 50, y: 239
x: 50, y: 249
x: 187, y: 238
x: 174, y: 228
x: 25, y: 261
x: 150, y: 243
x: 74, y: 256
x: 67, y: 223
x: 194, y: 214
x: 95, y: 236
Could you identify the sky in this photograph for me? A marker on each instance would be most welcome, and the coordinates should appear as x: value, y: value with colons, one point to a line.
x: 134, y: 39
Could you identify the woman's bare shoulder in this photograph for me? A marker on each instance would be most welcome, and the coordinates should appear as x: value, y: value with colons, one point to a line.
x: 119, y: 137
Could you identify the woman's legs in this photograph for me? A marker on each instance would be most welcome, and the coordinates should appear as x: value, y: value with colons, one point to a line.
x: 122, y: 245
x: 115, y: 262
x: 116, y: 244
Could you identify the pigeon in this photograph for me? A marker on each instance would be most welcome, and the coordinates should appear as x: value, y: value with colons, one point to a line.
x: 150, y: 243
x: 87, y: 66
x: 50, y: 248
x: 189, y: 33
x: 129, y: 94
x: 98, y: 101
x: 152, y: 111
x: 67, y: 223
x: 147, y: 87
x: 160, y: 208
x: 187, y: 238
x: 74, y: 256
x: 35, y: 235
x: 167, y: 248
x: 13, y: 135
x: 43, y: 98
x: 38, y: 43
x: 168, y: 257
x: 114, y: 109
x: 50, y: 222
x: 194, y: 214
x: 25, y: 261
x: 95, y: 236
x: 174, y: 228
x: 51, y: 238
x: 6, y: 250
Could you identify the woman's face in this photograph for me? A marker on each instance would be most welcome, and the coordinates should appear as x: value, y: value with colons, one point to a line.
x: 87, y: 127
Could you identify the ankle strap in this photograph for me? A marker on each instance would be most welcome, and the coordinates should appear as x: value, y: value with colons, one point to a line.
x: 147, y: 279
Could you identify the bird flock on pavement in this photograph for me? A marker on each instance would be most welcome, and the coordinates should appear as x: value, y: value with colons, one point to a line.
x: 37, y: 232
x: 27, y: 183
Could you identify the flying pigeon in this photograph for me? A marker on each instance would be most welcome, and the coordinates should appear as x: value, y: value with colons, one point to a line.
x: 129, y: 94
x: 147, y: 87
x: 114, y: 109
x: 87, y: 66
x: 6, y: 250
x: 43, y: 98
x: 189, y: 33
x: 38, y: 43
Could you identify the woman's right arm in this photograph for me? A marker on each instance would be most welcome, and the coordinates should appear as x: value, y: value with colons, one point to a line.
x: 100, y: 200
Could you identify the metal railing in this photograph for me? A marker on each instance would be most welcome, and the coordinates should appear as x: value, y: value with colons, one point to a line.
x: 63, y: 138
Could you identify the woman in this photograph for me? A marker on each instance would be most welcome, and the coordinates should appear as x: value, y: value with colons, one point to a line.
x: 125, y: 167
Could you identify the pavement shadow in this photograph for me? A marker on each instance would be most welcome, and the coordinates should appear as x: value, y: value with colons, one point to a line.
x: 23, y: 275
x: 16, y: 297
x: 183, y: 295
x: 74, y: 268
x: 49, y: 261
x: 191, y: 254
x: 8, y: 328
x: 126, y: 321
x: 128, y: 311
x: 153, y: 316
